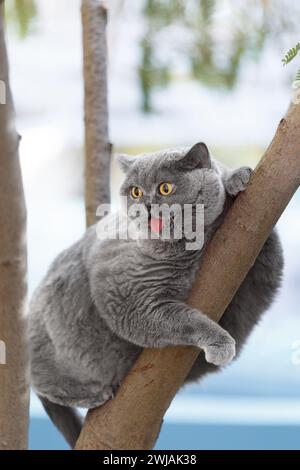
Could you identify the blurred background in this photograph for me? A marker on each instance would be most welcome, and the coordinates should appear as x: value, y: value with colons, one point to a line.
x: 179, y: 72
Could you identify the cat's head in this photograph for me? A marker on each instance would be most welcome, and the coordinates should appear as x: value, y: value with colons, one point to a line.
x: 173, y: 177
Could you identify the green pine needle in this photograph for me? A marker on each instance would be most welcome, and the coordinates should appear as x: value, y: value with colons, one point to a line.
x: 291, y: 54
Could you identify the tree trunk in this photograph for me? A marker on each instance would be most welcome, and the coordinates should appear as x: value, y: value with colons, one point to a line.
x: 132, y: 419
x: 14, y: 392
x: 97, y: 146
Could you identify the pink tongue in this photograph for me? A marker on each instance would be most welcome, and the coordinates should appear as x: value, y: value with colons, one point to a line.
x: 156, y: 225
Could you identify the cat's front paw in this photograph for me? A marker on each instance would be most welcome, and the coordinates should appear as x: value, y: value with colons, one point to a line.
x: 238, y: 180
x: 220, y: 352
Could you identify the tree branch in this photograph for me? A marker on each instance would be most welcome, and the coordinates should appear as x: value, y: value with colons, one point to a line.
x: 132, y: 419
x: 14, y: 391
x: 97, y: 146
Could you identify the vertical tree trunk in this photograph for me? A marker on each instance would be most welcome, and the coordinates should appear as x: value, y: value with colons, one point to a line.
x: 97, y: 146
x: 14, y: 393
x: 132, y: 419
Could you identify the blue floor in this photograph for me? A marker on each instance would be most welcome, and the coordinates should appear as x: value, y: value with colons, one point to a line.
x: 180, y: 436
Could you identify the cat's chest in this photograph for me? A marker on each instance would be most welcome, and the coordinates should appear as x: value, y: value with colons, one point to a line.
x: 136, y: 273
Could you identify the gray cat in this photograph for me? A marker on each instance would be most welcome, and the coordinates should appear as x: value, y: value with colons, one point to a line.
x: 103, y: 301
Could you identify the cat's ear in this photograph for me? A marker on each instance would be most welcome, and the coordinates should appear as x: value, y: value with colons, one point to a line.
x: 125, y: 161
x: 197, y: 157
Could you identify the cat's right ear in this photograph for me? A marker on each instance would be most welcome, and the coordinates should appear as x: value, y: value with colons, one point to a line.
x: 125, y: 161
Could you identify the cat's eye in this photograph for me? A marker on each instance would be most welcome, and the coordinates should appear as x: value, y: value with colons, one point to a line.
x: 136, y: 192
x: 165, y: 189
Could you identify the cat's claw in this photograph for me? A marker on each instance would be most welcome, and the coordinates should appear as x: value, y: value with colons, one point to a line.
x: 238, y: 180
x: 221, y: 352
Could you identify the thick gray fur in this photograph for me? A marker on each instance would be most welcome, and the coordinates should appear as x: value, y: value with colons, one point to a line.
x: 103, y: 301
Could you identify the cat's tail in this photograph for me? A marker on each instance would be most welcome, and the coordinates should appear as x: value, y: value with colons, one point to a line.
x: 66, y: 419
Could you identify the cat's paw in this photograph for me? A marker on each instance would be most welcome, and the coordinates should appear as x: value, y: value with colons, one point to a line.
x: 220, y: 352
x: 238, y: 180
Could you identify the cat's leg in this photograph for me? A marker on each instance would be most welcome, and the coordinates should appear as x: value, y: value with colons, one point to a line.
x: 160, y: 323
x: 252, y: 299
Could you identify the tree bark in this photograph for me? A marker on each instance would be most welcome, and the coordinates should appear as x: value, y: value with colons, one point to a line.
x: 14, y: 391
x: 97, y: 145
x: 132, y: 419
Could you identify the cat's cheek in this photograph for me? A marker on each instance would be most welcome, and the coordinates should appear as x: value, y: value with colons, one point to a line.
x: 221, y: 198
x: 214, y: 203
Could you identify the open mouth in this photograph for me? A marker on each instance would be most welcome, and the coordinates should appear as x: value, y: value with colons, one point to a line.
x: 155, y: 224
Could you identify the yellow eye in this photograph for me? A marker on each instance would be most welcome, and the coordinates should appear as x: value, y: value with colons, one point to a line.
x: 165, y: 188
x: 136, y: 192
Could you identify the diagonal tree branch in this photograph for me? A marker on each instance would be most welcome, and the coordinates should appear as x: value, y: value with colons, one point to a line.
x: 132, y: 419
x: 14, y: 396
